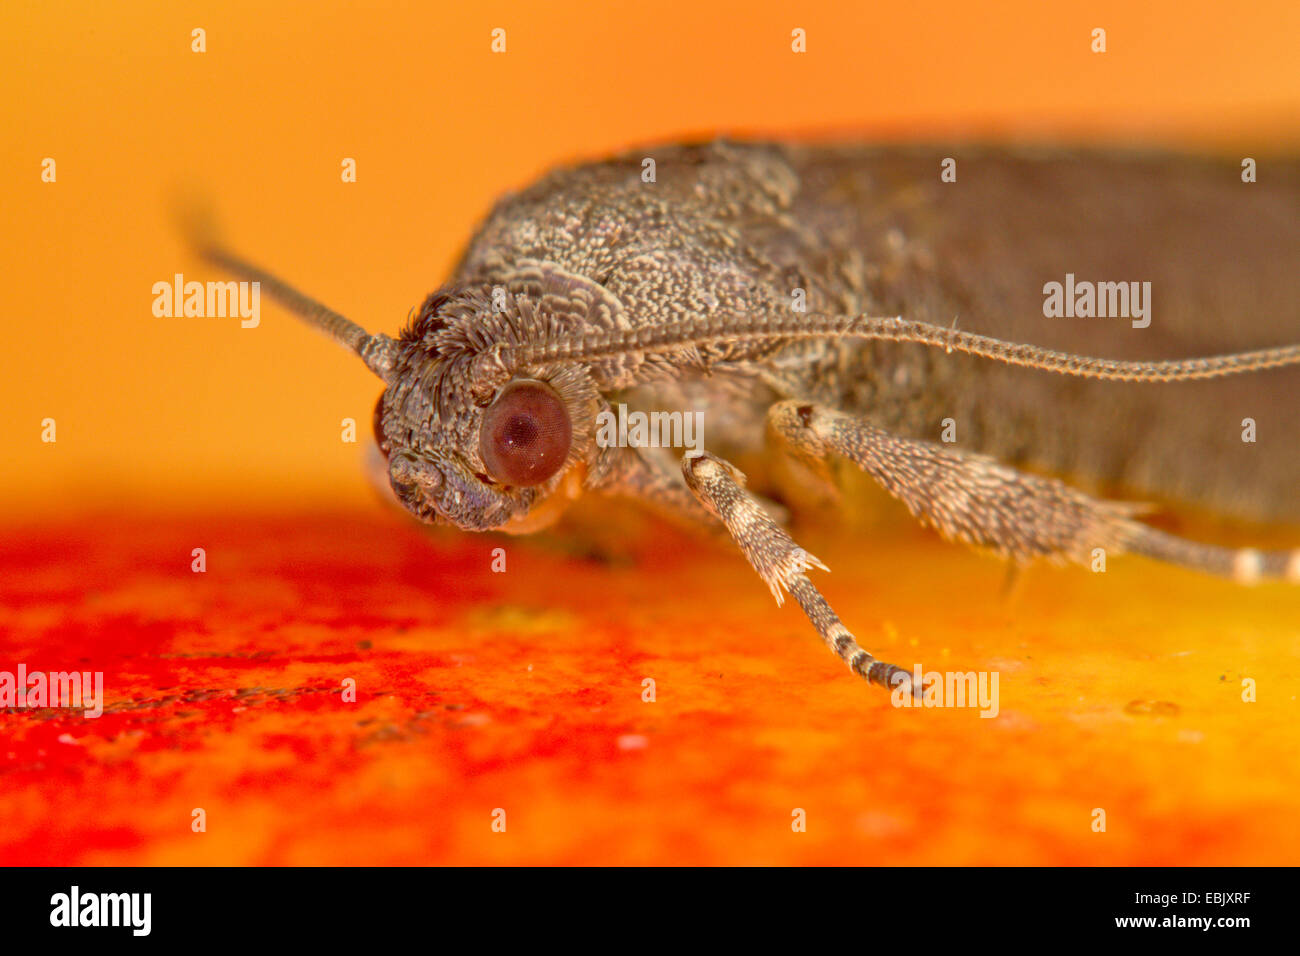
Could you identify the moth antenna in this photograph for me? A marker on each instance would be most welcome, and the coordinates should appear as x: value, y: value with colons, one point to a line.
x: 706, y: 331
x: 1082, y: 366
x: 377, y: 351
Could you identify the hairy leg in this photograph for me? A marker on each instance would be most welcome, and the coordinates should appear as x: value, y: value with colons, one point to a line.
x: 981, y: 502
x: 780, y: 562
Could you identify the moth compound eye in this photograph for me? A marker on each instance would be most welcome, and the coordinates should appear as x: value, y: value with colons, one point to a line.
x: 525, y: 434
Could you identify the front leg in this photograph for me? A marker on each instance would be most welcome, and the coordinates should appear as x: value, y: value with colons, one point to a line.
x: 780, y: 562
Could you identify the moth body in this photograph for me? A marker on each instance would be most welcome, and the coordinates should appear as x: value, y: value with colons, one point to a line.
x: 851, y: 303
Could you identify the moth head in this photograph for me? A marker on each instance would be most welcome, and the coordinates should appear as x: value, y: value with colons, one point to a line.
x: 471, y: 442
x: 472, y: 435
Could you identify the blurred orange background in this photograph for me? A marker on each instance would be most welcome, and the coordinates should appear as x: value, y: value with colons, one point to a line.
x: 201, y: 411
x: 522, y: 690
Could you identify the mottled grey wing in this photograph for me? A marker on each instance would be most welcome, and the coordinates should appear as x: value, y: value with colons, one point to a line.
x: 1223, y: 258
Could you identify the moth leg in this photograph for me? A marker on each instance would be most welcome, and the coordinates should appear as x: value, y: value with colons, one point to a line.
x: 780, y: 562
x: 979, y: 501
x: 1011, y: 581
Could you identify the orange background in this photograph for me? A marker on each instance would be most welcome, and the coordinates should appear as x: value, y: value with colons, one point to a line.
x: 522, y: 690
x: 180, y: 409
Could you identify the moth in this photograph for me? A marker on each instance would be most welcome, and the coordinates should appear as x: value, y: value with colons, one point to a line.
x: 847, y: 304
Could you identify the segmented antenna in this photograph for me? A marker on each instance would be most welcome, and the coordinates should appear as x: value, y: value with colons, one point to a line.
x: 708, y: 331
x: 377, y: 351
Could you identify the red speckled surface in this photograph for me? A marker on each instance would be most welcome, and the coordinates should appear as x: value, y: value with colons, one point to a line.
x: 523, y: 691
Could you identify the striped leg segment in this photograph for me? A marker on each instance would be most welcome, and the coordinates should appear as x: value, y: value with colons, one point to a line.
x: 780, y: 562
x: 979, y: 501
x: 1243, y: 565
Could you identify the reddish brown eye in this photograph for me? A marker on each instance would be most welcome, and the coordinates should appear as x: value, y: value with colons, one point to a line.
x: 525, y: 434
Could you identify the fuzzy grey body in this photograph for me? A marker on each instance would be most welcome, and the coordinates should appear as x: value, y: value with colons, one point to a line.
x: 842, y: 304
x: 736, y: 227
